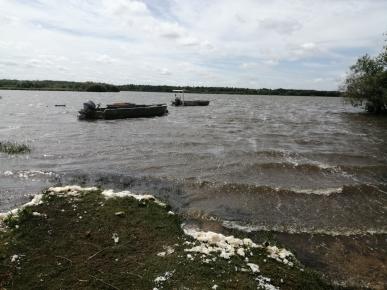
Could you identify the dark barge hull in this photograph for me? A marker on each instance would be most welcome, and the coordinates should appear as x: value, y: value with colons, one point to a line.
x: 137, y: 111
x: 191, y: 103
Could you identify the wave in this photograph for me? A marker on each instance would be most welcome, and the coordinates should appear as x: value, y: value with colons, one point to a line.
x: 120, y: 180
x: 276, y: 153
x: 366, y: 168
x: 321, y: 191
x: 344, y: 231
x: 303, y: 166
x: 306, y: 155
x: 289, y: 165
x: 241, y: 188
x: 316, y: 167
x: 28, y: 174
x: 9, y: 128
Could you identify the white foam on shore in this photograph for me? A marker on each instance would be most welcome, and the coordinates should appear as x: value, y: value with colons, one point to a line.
x: 254, y: 267
x: 161, y: 279
x: 115, y: 238
x: 280, y: 254
x: 15, y: 258
x: 73, y: 191
x: 36, y: 200
x: 209, y: 242
x: 140, y: 197
x: 70, y: 190
x: 38, y: 214
x: 76, y: 190
x: 264, y: 282
x: 168, y: 251
x: 229, y: 246
x: 226, y: 246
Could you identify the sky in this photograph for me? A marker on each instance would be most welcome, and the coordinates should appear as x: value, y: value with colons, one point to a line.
x: 299, y: 44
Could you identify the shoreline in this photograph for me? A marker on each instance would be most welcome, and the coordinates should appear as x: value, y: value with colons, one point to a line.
x: 92, y: 230
x: 52, y: 85
x: 150, y: 91
x: 166, y: 92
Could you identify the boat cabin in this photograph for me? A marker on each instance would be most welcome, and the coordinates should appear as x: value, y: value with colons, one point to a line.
x: 179, y: 97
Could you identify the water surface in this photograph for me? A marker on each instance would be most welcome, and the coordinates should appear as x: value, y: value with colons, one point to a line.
x: 295, y: 165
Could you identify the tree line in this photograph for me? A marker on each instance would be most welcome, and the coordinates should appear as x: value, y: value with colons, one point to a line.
x: 57, y: 86
x: 229, y: 90
x: 103, y: 87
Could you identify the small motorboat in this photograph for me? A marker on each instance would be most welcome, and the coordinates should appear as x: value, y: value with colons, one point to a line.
x: 121, y: 111
x: 180, y: 101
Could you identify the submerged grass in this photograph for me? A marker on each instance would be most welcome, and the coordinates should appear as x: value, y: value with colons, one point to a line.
x: 68, y: 243
x: 14, y: 148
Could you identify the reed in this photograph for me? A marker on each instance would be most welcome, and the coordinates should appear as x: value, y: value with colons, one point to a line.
x: 13, y: 147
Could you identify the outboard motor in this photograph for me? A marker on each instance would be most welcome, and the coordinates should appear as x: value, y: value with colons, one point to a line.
x: 177, y: 102
x: 90, y: 105
x: 88, y: 111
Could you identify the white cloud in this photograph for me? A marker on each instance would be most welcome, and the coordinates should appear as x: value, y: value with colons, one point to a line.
x: 308, y: 46
x: 131, y: 7
x: 164, y: 71
x: 8, y: 20
x: 307, y: 49
x: 247, y: 43
x: 318, y: 80
x: 248, y: 65
x: 169, y: 30
x: 285, y: 26
x: 106, y: 59
x: 271, y: 61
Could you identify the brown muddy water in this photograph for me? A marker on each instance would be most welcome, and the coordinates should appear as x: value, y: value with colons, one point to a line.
x: 310, y: 172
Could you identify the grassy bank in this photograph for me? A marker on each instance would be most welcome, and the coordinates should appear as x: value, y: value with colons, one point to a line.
x: 13, y: 147
x: 69, y: 238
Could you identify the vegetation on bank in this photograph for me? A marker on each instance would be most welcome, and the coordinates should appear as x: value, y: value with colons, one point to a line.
x: 57, y: 86
x: 230, y: 90
x: 13, y: 147
x: 366, y: 83
x: 101, y: 87
x: 81, y: 240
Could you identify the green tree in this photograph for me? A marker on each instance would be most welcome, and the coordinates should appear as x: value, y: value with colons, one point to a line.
x: 366, y: 83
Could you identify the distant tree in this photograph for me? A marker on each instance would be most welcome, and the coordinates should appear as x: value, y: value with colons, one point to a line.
x: 366, y: 83
x: 102, y: 88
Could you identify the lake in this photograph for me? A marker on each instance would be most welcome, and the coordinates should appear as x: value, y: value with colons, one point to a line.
x: 311, y: 170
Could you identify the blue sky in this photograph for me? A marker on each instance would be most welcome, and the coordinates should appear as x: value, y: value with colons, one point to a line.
x: 246, y: 43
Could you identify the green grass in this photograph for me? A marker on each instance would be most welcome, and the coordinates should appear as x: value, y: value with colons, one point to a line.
x: 71, y: 247
x: 14, y: 148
